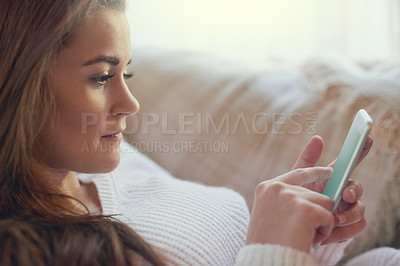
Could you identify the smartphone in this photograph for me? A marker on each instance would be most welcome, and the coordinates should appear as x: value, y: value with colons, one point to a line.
x: 348, y: 157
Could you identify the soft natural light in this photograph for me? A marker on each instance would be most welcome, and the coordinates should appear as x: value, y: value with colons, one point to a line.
x: 270, y: 29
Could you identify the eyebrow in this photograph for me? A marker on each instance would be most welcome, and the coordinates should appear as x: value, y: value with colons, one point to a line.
x: 106, y: 59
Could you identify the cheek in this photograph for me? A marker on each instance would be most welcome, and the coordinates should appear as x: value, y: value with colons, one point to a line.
x: 76, y: 143
x: 79, y: 116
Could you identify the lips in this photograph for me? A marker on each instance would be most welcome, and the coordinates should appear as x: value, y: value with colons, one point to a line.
x: 114, y: 134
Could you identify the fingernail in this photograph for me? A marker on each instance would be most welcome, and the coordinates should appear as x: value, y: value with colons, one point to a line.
x: 339, y: 219
x: 369, y: 142
x: 329, y: 170
x: 353, y: 194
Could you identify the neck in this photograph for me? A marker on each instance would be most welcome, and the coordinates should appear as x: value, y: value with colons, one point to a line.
x: 67, y: 183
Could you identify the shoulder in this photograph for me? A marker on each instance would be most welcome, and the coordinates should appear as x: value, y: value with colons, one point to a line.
x: 188, y: 222
x: 139, y: 171
x: 131, y: 158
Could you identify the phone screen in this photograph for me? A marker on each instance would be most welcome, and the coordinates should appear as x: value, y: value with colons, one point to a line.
x: 348, y: 157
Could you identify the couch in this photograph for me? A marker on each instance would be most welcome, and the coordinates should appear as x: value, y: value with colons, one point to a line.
x: 227, y: 123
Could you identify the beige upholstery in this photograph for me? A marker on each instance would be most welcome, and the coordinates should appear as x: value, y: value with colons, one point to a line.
x: 272, y: 113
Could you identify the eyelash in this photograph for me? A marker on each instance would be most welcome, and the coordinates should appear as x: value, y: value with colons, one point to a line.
x: 101, y: 81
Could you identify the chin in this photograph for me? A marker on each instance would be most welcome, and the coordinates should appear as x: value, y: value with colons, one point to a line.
x: 108, y: 164
x: 94, y: 157
x: 102, y: 162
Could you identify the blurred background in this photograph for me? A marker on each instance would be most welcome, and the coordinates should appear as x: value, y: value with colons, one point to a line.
x: 260, y: 30
x: 327, y: 58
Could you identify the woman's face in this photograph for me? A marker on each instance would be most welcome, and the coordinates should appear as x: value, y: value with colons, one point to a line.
x: 92, y: 98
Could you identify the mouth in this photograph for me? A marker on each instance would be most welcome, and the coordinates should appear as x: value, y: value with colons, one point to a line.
x: 116, y: 135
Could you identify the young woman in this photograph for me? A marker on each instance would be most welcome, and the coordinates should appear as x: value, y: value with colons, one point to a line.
x: 64, y: 101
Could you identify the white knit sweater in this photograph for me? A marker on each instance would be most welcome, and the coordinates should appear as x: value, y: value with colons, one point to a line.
x: 189, y: 223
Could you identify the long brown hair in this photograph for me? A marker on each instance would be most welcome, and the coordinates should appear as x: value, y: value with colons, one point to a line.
x: 32, y: 32
x: 29, y: 239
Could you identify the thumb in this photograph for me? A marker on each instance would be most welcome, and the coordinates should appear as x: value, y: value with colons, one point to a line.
x: 311, y: 153
x: 303, y: 176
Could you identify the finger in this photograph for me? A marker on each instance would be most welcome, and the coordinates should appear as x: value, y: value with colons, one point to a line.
x: 325, y: 227
x: 366, y: 149
x: 332, y: 164
x: 312, y: 196
x: 340, y: 234
x: 350, y: 216
x: 302, y: 176
x: 310, y: 154
x: 352, y: 192
x: 319, y: 199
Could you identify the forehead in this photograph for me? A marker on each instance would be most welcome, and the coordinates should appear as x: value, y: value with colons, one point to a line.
x: 104, y: 33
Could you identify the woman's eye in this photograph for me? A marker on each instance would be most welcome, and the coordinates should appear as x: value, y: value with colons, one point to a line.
x: 128, y: 75
x: 102, y: 79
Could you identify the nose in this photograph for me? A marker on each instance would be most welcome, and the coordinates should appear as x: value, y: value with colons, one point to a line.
x: 124, y: 103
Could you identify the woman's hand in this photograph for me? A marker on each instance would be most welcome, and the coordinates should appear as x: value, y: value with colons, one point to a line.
x: 287, y: 214
x: 349, y: 220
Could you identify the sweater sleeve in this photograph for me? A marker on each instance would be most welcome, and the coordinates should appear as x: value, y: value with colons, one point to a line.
x: 329, y: 255
x: 271, y: 255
